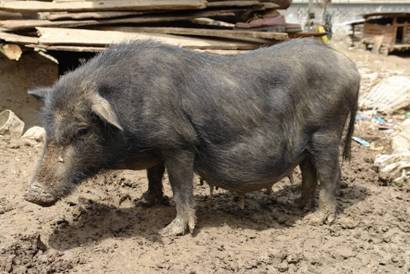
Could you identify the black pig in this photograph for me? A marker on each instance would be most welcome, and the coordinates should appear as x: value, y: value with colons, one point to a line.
x: 240, y: 122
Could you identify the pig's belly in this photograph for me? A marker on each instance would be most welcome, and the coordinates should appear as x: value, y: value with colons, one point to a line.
x: 138, y: 161
x: 247, y: 169
x: 259, y: 182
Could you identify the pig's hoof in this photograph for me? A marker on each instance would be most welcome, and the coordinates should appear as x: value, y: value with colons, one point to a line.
x: 179, y: 226
x: 176, y: 227
x: 329, y: 218
x: 149, y: 200
x: 323, y: 217
x: 304, y: 203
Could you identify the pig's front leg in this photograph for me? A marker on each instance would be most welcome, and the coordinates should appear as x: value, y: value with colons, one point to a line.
x: 179, y: 166
x: 154, y: 195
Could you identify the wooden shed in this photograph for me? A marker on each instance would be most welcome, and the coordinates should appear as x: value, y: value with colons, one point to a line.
x: 387, y: 32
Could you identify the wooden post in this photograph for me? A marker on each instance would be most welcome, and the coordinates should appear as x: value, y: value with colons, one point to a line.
x: 395, y: 28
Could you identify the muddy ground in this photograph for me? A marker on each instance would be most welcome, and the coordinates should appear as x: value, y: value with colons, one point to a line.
x: 101, y: 228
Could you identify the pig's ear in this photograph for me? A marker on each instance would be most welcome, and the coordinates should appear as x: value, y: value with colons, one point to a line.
x: 39, y: 93
x: 104, y: 110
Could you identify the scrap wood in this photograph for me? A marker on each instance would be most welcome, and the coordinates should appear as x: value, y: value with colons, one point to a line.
x: 401, y: 141
x: 188, y: 15
x: 64, y: 36
x: 254, y: 36
x: 242, y: 4
x: 11, y: 51
x: 10, y: 15
x: 396, y: 166
x: 270, y: 6
x: 36, y: 6
x: 280, y: 4
x: 212, y: 22
x: 17, y: 39
x: 294, y: 35
x: 43, y: 47
x: 90, y: 15
x: 21, y: 24
x: 220, y: 4
x: 30, y: 24
x: 390, y: 95
x: 186, y: 33
x: 121, y: 14
x: 39, y: 47
x: 44, y: 54
x: 197, y: 24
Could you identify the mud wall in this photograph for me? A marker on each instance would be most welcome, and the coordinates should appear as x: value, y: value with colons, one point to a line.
x: 16, y: 77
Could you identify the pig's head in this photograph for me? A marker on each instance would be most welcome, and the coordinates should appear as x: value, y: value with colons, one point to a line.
x: 79, y: 124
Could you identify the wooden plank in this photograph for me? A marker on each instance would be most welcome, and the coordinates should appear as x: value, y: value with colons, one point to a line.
x: 30, y: 24
x: 67, y: 48
x: 17, y: 39
x: 30, y: 6
x: 64, y: 36
x: 270, y: 6
x: 91, y: 15
x: 229, y: 34
x: 277, y: 4
x: 220, y: 4
x: 212, y: 22
x: 60, y: 1
x: 21, y: 24
x: 401, y: 46
x: 306, y: 34
x: 99, y: 49
x: 185, y: 32
x: 10, y: 15
x: 121, y: 14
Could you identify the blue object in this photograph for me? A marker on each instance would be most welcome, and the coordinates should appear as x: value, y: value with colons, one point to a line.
x: 361, y: 141
x: 379, y: 120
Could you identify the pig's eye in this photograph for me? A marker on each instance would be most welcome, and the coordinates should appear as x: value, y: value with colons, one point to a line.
x: 82, y: 131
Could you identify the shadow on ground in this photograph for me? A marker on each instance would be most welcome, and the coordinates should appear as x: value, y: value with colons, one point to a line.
x: 94, y: 222
x: 403, y: 54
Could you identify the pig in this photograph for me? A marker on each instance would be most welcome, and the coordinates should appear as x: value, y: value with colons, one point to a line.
x: 239, y: 122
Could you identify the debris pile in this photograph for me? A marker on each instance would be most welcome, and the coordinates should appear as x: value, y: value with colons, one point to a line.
x: 395, y: 167
x: 11, y: 131
x: 384, y: 104
x: 390, y: 95
x: 10, y: 124
x: 90, y: 26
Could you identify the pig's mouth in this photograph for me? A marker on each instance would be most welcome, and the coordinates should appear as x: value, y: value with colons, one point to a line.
x: 37, y: 195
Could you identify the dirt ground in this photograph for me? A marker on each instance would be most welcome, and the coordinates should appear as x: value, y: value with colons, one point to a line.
x: 101, y: 229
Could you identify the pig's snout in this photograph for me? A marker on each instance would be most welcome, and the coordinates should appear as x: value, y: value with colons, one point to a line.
x: 37, y: 195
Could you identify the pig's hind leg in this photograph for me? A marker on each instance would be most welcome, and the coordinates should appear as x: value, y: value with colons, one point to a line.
x: 325, y: 147
x: 179, y: 165
x: 309, y: 183
x: 155, y: 194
